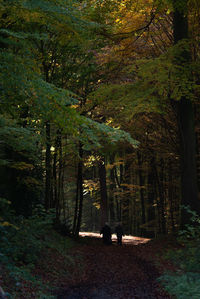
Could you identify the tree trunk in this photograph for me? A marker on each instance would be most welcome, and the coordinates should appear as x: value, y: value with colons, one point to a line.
x: 76, y: 205
x: 80, y: 184
x: 141, y: 182
x: 111, y: 191
x: 151, y: 199
x: 55, y: 171
x: 162, y: 197
x: 161, y: 201
x: 126, y: 197
x: 186, y: 121
x: 48, y: 195
x: 103, y: 191
x: 171, y: 196
x: 197, y: 126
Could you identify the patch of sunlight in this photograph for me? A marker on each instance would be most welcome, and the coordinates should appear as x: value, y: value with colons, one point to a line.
x: 127, y: 239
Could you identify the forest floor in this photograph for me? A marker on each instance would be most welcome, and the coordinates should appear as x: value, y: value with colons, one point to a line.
x: 129, y: 271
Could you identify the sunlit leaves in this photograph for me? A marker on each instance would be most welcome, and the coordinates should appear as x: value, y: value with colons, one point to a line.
x: 98, y: 136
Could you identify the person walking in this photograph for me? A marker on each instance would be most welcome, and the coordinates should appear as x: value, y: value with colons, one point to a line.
x: 119, y: 232
x: 106, y: 232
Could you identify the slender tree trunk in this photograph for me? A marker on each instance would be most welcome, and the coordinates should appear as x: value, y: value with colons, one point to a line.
x: 111, y: 191
x: 171, y: 197
x: 103, y: 191
x: 80, y: 183
x: 55, y: 190
x: 48, y: 158
x: 118, y: 181
x: 151, y: 198
x: 55, y: 172
x: 62, y: 178
x: 125, y: 203
x: 48, y: 195
x: 76, y: 205
x: 59, y: 179
x: 162, y: 197
x: 161, y: 201
x: 141, y: 182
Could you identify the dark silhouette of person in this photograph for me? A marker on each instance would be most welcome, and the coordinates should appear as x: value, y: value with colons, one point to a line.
x: 106, y: 232
x: 119, y: 233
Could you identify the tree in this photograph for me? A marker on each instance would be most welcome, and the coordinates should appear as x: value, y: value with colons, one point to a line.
x: 185, y: 111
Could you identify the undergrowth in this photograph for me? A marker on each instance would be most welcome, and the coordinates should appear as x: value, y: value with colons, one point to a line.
x: 23, y: 243
x: 184, y: 283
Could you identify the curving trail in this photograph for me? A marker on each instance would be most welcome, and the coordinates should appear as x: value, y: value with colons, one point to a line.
x: 116, y: 272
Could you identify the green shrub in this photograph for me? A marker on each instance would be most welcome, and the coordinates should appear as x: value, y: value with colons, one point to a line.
x: 185, y: 282
x: 22, y: 240
x: 184, y: 286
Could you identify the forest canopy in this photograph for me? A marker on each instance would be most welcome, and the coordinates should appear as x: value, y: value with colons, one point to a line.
x: 99, y: 123
x: 99, y: 111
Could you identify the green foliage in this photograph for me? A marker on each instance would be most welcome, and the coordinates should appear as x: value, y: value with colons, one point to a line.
x: 97, y: 136
x: 16, y: 138
x: 181, y: 6
x: 183, y: 286
x: 185, y: 282
x: 129, y: 98
x: 22, y: 243
x: 24, y: 231
x: 19, y: 164
x: 191, y: 232
x: 154, y: 82
x: 30, y: 231
x: 169, y: 76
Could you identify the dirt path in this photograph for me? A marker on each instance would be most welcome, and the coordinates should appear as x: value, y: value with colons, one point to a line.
x: 116, y: 272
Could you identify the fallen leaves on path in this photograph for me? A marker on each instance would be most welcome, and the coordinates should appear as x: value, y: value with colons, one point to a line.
x: 116, y: 272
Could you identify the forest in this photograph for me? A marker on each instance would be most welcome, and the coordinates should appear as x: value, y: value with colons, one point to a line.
x: 99, y: 123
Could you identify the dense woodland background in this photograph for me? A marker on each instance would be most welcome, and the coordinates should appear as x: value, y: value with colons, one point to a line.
x: 99, y: 113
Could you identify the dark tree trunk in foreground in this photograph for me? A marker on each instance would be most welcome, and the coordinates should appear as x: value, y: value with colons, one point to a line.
x: 186, y: 120
x: 103, y: 191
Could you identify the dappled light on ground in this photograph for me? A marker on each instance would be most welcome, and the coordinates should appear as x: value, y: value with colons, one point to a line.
x: 131, y: 240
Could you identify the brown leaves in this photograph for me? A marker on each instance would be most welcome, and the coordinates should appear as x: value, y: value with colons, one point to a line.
x: 117, y: 271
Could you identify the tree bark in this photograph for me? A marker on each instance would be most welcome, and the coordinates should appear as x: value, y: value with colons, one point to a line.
x: 171, y: 196
x: 111, y: 191
x: 161, y: 201
x: 80, y: 184
x: 186, y: 121
x: 48, y: 195
x: 103, y: 191
x: 76, y: 205
x: 141, y: 182
x: 151, y: 198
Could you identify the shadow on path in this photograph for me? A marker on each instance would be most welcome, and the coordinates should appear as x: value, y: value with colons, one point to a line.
x: 115, y: 272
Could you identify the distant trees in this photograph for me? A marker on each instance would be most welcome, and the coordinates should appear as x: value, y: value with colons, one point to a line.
x: 47, y: 70
x: 155, y: 79
x: 80, y: 82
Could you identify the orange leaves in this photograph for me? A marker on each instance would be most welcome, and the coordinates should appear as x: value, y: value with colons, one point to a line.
x: 141, y: 29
